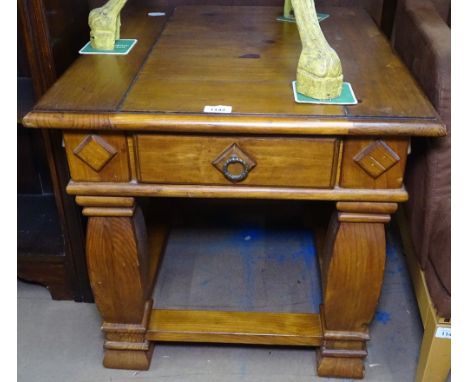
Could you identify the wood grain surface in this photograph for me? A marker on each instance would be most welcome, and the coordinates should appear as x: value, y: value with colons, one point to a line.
x: 116, y: 257
x: 242, y: 57
x: 300, y: 329
x: 98, y: 82
x: 352, y: 262
x: 115, y: 169
x: 357, y: 257
x: 123, y: 262
x: 235, y: 123
x: 191, y: 191
x: 354, y: 175
x: 189, y: 160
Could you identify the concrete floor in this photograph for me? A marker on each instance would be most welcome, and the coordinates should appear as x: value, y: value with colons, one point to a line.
x: 250, y: 261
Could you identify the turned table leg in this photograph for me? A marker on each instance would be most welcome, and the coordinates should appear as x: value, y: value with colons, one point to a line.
x: 352, y: 273
x: 117, y: 257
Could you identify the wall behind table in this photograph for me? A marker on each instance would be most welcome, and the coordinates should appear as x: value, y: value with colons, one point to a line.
x: 376, y: 8
x: 174, y: 3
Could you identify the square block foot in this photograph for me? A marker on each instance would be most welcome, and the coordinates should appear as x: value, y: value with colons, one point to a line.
x: 128, y: 359
x: 335, y: 367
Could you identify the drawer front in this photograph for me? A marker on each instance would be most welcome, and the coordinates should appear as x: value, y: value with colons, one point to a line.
x: 282, y: 162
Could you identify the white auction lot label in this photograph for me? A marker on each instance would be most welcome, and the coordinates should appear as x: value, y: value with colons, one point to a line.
x: 218, y: 109
x: 444, y: 333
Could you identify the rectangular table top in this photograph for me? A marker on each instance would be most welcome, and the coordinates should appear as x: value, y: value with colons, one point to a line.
x: 242, y: 57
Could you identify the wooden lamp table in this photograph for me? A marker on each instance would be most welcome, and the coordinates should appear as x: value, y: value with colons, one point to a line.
x: 134, y: 126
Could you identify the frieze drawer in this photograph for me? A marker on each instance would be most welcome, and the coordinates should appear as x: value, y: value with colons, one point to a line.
x: 253, y: 161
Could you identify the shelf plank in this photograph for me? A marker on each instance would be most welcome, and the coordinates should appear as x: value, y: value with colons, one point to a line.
x: 259, y: 328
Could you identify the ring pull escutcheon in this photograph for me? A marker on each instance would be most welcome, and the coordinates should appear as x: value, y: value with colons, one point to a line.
x: 234, y: 155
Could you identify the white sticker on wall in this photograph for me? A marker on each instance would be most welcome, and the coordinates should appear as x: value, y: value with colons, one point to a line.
x: 442, y: 332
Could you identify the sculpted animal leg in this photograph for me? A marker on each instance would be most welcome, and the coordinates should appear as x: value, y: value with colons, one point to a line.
x: 117, y: 27
x: 287, y: 8
x: 105, y: 24
x: 319, y: 72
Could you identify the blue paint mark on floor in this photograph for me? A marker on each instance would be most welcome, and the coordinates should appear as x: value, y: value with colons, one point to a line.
x: 312, y: 268
x: 250, y: 257
x: 254, y: 233
x: 382, y: 317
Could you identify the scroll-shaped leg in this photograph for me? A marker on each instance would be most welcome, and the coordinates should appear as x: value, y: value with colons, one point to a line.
x: 352, y: 272
x: 117, y: 257
x: 319, y: 72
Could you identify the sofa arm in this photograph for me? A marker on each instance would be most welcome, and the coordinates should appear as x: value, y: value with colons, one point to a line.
x: 422, y: 38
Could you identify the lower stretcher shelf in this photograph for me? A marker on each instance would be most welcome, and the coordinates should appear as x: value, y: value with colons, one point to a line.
x: 260, y: 328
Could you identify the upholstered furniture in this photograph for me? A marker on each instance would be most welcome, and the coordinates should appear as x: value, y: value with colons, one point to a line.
x: 422, y: 38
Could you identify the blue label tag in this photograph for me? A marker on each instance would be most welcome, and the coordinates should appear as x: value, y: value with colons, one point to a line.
x: 346, y: 97
x: 121, y: 47
x: 291, y: 19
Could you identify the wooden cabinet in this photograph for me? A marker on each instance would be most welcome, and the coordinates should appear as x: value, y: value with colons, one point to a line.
x: 50, y: 228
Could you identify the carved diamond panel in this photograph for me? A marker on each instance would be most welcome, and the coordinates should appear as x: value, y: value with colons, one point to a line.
x: 95, y: 152
x: 230, y: 158
x: 376, y: 158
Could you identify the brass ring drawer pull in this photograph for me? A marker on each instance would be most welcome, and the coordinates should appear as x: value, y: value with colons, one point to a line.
x: 235, y: 177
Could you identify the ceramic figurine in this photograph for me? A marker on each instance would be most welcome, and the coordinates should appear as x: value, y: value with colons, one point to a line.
x: 319, y: 72
x: 105, y: 24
